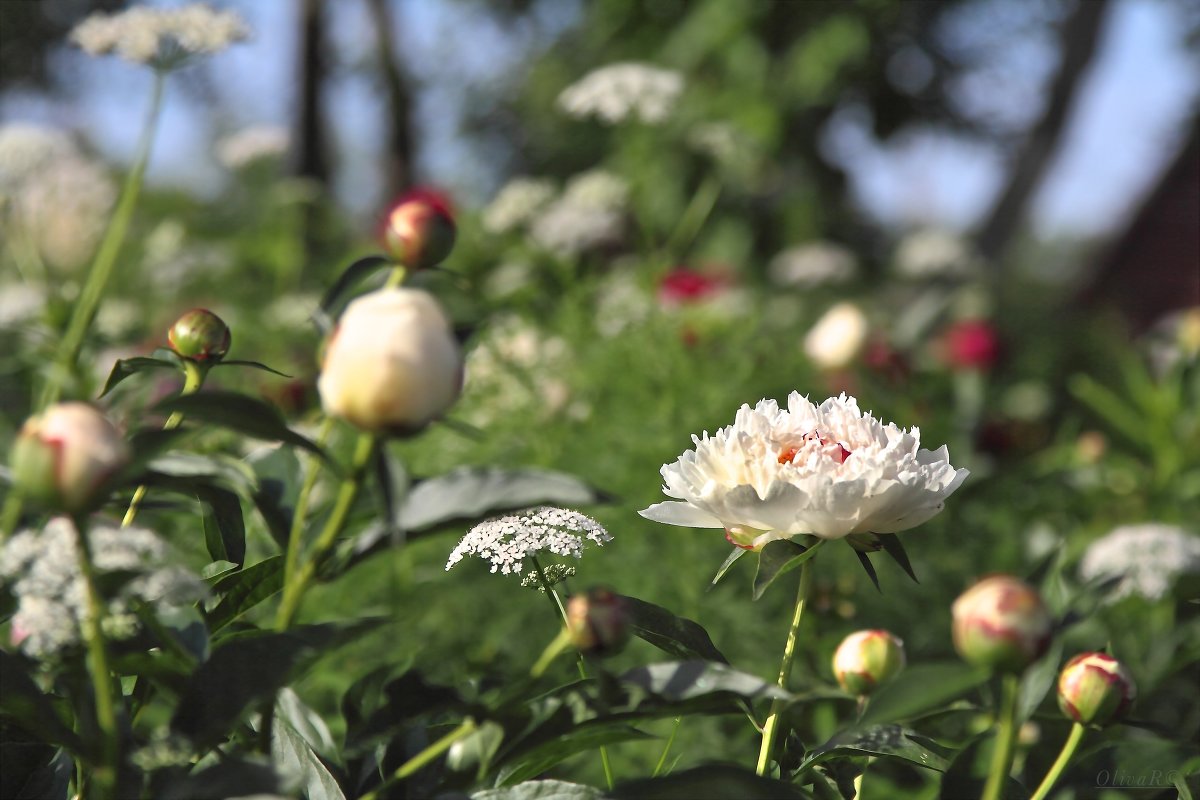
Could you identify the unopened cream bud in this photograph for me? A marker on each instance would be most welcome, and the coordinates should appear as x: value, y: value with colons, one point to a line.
x: 419, y: 230
x: 64, y: 456
x: 1095, y: 688
x: 392, y: 363
x: 200, y: 335
x: 598, y: 621
x: 865, y: 660
x: 1001, y: 623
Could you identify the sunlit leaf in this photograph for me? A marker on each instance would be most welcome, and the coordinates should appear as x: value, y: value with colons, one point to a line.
x: 244, y: 590
x: 778, y: 558
x: 889, y: 741
x: 125, y: 367
x: 683, y: 680
x: 713, y: 780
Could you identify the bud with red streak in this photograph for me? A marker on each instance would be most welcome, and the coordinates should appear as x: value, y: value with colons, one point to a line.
x: 1001, y: 623
x: 1095, y: 688
x: 865, y: 660
x: 65, y: 456
x: 598, y: 622
x: 200, y: 335
x: 418, y: 230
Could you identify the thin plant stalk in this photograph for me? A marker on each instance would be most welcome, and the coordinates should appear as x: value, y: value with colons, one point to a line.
x: 106, y: 716
x: 662, y: 760
x: 785, y: 668
x: 1006, y: 734
x: 1060, y: 763
x: 194, y: 374
x: 295, y: 535
x: 694, y: 216
x: 465, y: 729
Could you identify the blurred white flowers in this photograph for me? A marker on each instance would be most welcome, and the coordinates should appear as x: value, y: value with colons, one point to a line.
x: 1148, y: 559
x: 589, y: 213
x: 814, y: 264
x: 838, y: 337
x: 507, y: 541
x: 828, y: 470
x: 623, y: 91
x: 252, y: 145
x: 932, y: 253
x: 517, y: 203
x: 41, y: 568
x: 160, y: 37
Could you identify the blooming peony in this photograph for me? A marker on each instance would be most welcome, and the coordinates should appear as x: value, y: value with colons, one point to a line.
x: 827, y: 470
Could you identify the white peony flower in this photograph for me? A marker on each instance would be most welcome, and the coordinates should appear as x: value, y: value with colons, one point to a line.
x: 1147, y: 558
x: 161, y: 37
x: 827, y: 470
x: 507, y: 541
x: 623, y: 91
x: 838, y: 337
x: 393, y: 362
x: 517, y: 203
x: 814, y: 264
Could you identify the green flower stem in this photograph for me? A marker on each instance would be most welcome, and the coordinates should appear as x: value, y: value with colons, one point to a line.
x: 106, y: 255
x: 1060, y: 763
x: 694, y: 216
x: 422, y: 758
x: 565, y: 635
x: 105, y: 774
x: 295, y: 587
x: 194, y: 374
x: 1006, y: 735
x: 662, y: 760
x: 552, y: 651
x: 785, y: 669
x: 292, y: 557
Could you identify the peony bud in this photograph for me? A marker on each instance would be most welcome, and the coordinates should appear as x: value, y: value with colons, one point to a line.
x: 837, y: 338
x: 200, y: 335
x: 419, y: 230
x: 598, y: 622
x: 1001, y: 623
x: 865, y: 660
x: 64, y: 456
x: 392, y: 362
x: 1095, y: 688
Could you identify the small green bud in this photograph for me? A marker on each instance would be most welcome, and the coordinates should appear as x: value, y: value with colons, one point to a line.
x: 866, y: 660
x: 419, y: 230
x: 200, y: 335
x: 1001, y: 623
x: 64, y: 456
x: 598, y: 622
x: 1095, y: 688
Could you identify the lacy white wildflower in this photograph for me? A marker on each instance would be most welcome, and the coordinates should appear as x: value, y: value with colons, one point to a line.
x: 516, y: 203
x: 623, y: 91
x: 62, y: 209
x: 20, y: 303
x: 161, y: 37
x: 1147, y: 558
x: 507, y: 541
x: 808, y: 266
x: 515, y: 369
x: 589, y: 214
x: 828, y: 470
x: 621, y: 302
x: 251, y: 145
x: 26, y: 148
x: 42, y: 570
x: 932, y: 253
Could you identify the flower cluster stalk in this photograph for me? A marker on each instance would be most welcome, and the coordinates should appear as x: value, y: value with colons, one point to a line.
x: 1060, y: 763
x: 785, y: 669
x: 194, y: 374
x: 465, y: 729
x: 1006, y: 735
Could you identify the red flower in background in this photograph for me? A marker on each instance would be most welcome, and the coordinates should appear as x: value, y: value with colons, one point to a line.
x: 970, y: 344
x: 684, y: 285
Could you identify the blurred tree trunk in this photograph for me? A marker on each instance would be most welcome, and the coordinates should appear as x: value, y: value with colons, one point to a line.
x: 313, y: 162
x: 1077, y: 40
x: 399, y: 156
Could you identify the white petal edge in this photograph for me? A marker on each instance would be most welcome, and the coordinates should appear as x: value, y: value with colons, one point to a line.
x: 681, y: 514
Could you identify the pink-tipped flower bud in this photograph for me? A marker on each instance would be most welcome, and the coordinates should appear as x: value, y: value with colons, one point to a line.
x: 1001, y: 623
x: 200, y: 335
x: 419, y: 230
x: 1095, y: 688
x: 64, y: 456
x: 598, y: 622
x: 392, y: 363
x: 865, y: 660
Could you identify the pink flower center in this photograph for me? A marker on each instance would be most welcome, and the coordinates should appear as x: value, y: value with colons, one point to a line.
x: 788, y: 454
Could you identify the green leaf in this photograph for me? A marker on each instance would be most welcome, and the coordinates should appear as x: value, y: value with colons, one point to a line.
x: 895, y: 548
x: 969, y: 770
x: 295, y: 737
x: 589, y: 736
x: 869, y: 568
x: 253, y: 365
x: 684, y: 680
x: 469, y: 493
x: 542, y: 790
x: 31, y: 769
x: 402, y: 701
x: 125, y: 367
x: 234, y: 473
x: 677, y: 636
x: 477, y: 750
x: 225, y: 779
x: 889, y: 741
x: 245, y: 589
x: 712, y: 780
x: 224, y: 528
x: 778, y: 558
x: 737, y: 553
x: 350, y: 276
x: 919, y: 689
x: 24, y: 702
x: 1038, y: 680
x: 238, y: 412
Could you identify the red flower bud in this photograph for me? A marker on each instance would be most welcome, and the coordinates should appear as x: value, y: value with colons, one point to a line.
x: 1001, y: 623
x: 419, y: 230
x: 971, y: 344
x: 1095, y: 688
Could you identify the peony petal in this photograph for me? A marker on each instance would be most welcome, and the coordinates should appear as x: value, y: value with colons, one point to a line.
x: 681, y: 514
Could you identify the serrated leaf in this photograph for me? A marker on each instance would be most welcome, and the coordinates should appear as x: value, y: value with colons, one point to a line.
x: 895, y: 548
x: 238, y: 412
x: 919, y: 689
x: 889, y: 741
x: 252, y: 365
x: 777, y: 558
x: 677, y: 636
x: 712, y: 780
x: 126, y: 367
x: 350, y: 276
x: 869, y: 568
x: 244, y: 590
x: 684, y: 680
x: 737, y: 553
x: 542, y: 790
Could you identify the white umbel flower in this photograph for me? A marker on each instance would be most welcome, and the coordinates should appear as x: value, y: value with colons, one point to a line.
x: 517, y: 203
x: 808, y: 266
x: 160, y: 37
x: 619, y: 92
x: 828, y: 470
x: 589, y: 214
x: 932, y: 253
x: 1148, y: 559
x: 507, y: 541
x: 252, y: 145
x: 27, y: 148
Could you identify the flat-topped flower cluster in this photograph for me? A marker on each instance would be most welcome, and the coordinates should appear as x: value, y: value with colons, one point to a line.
x: 507, y: 541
